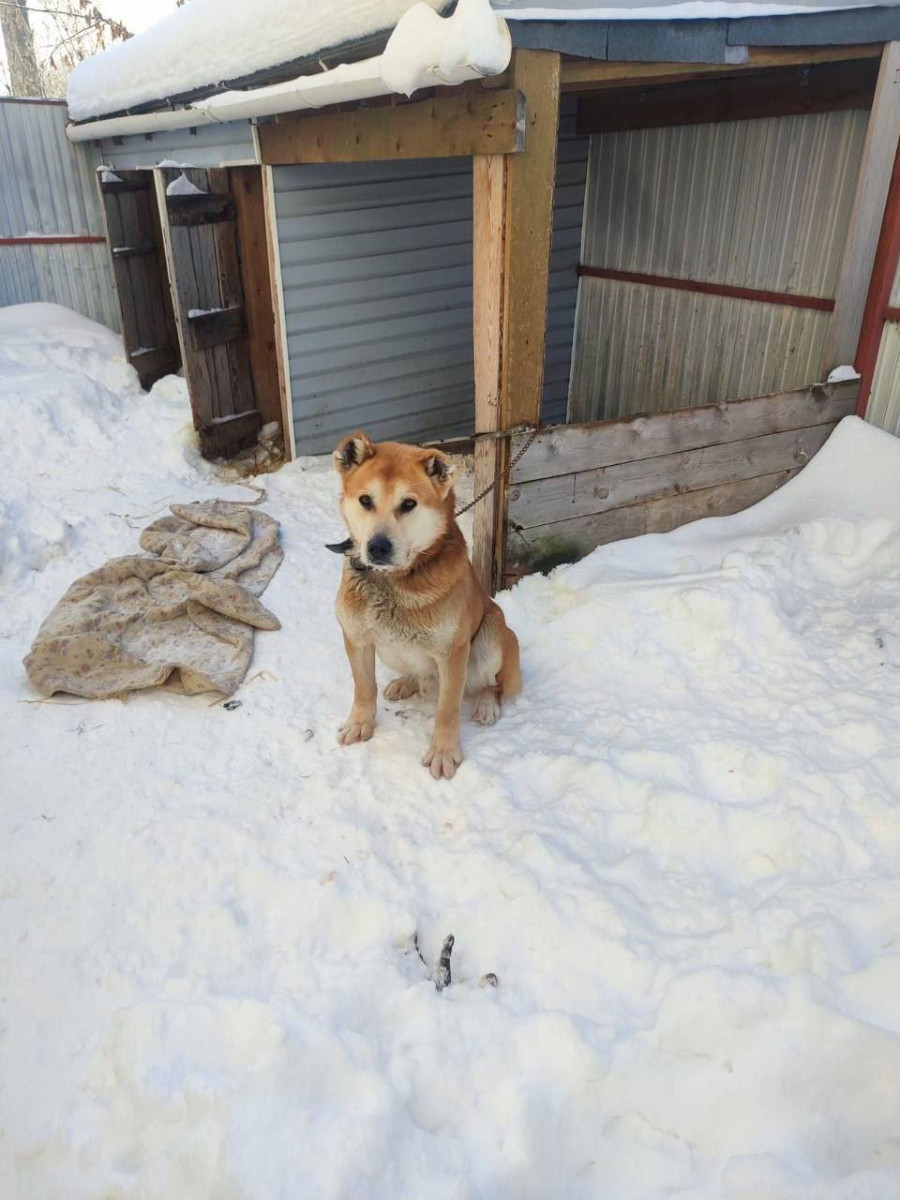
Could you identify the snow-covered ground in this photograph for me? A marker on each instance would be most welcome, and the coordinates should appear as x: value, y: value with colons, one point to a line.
x: 679, y: 851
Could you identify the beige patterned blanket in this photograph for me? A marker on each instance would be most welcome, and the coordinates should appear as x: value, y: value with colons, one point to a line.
x: 182, y: 615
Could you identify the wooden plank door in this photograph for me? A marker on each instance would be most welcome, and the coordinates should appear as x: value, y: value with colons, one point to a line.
x: 139, y: 267
x: 204, y: 263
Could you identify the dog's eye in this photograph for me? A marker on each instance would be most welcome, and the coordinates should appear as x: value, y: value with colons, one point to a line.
x: 366, y: 502
x: 408, y: 504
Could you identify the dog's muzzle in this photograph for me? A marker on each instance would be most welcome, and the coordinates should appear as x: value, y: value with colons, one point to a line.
x: 380, y: 550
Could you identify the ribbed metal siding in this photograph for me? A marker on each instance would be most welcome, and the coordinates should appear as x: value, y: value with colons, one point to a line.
x: 568, y: 207
x: 376, y: 264
x: 761, y: 204
x: 48, y: 186
x: 205, y: 146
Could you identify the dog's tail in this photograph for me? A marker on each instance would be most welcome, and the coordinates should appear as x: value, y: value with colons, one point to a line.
x: 509, y: 677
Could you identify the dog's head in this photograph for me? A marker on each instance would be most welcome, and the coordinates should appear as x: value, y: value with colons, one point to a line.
x: 397, y: 500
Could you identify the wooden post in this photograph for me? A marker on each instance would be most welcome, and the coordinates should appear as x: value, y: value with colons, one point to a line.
x: 868, y: 210
x: 512, y: 225
x: 281, y: 347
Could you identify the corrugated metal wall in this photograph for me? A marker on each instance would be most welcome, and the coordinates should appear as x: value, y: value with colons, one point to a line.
x: 206, y: 146
x: 376, y: 264
x: 761, y: 204
x: 48, y: 187
x: 568, y: 207
x: 884, y: 400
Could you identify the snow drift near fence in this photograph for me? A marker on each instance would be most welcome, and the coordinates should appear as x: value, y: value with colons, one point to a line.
x: 679, y: 852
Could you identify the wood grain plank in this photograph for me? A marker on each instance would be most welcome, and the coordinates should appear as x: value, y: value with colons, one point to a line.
x: 566, y: 541
x: 567, y: 449
x: 581, y: 74
x: 246, y: 185
x: 460, y: 123
x: 564, y: 497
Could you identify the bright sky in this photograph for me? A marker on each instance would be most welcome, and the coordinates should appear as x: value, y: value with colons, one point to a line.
x: 136, y: 14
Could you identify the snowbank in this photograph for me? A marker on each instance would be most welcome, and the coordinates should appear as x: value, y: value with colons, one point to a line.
x: 209, y: 41
x: 679, y: 851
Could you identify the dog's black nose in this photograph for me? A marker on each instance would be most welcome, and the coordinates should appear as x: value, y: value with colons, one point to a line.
x: 380, y: 549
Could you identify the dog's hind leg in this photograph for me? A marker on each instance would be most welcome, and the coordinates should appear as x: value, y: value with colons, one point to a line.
x: 402, y: 688
x: 509, y: 677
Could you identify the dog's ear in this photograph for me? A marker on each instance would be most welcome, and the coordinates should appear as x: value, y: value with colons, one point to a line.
x: 352, y: 452
x: 440, y: 470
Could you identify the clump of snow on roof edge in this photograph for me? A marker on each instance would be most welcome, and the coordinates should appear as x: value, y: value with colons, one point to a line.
x: 208, y: 41
x: 426, y: 48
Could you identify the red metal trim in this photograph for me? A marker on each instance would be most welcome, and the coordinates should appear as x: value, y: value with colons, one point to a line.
x: 891, y: 314
x: 880, y: 284
x: 61, y: 239
x: 790, y: 299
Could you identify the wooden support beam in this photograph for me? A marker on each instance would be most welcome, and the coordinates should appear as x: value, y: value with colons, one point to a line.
x: 460, y: 123
x: 216, y: 328
x: 878, y: 309
x: 584, y: 74
x: 513, y: 216
x: 277, y: 302
x: 779, y: 91
x: 201, y: 209
x: 246, y: 185
x: 867, y: 214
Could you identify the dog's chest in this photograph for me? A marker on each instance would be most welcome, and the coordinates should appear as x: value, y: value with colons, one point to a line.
x: 404, y: 638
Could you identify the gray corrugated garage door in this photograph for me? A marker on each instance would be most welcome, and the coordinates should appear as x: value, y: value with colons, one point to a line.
x: 376, y: 262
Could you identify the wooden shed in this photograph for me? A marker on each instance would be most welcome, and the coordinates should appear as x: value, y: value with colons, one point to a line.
x: 626, y: 260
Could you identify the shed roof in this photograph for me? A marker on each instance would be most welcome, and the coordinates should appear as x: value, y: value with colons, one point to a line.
x: 210, y: 45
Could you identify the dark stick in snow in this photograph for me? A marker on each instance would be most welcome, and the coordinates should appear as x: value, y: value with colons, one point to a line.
x: 442, y: 970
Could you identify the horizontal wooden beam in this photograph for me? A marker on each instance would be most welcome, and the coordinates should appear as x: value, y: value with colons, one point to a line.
x: 731, y: 291
x: 457, y: 124
x: 221, y: 435
x: 567, y: 449
x: 216, y: 328
x: 135, y: 181
x: 154, y: 362
x: 583, y: 74
x: 564, y: 497
x: 780, y: 91
x: 199, y: 209
x: 567, y: 541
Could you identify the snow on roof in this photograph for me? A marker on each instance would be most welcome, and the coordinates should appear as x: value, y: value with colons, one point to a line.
x: 209, y: 41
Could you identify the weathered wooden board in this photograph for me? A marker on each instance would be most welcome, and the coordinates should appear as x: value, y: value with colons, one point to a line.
x: 582, y: 74
x: 475, y: 121
x: 568, y: 449
x: 512, y: 220
x: 215, y: 328
x: 246, y: 185
x: 142, y: 293
x: 564, y: 497
x: 194, y: 209
x: 779, y: 92
x: 566, y: 541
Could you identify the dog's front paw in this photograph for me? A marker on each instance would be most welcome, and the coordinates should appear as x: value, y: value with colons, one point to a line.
x: 442, y: 760
x: 356, y: 729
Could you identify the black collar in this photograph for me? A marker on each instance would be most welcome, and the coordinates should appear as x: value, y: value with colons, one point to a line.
x: 344, y: 548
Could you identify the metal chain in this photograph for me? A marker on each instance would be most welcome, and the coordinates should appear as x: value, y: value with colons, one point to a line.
x: 504, y: 474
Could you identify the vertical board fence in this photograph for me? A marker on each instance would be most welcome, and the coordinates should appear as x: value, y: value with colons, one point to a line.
x: 52, y: 241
